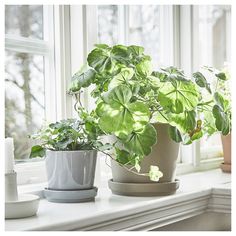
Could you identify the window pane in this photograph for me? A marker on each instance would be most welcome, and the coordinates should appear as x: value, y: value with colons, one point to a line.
x: 24, y: 20
x: 213, y: 49
x: 108, y: 24
x: 213, y: 43
x: 144, y: 29
x: 24, y: 99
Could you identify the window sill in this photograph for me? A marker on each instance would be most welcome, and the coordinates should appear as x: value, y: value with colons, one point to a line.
x: 212, y: 192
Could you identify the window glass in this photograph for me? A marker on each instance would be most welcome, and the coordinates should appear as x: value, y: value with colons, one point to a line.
x: 108, y: 24
x: 24, y: 20
x: 213, y: 49
x: 213, y: 41
x: 144, y: 29
x: 24, y: 99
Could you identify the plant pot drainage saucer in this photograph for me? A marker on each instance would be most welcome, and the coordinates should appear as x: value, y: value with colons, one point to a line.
x: 225, y: 167
x: 143, y: 189
x: 70, y: 196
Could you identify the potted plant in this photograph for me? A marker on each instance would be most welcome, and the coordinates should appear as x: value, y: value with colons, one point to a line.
x: 148, y: 113
x: 70, y: 147
x: 217, y: 110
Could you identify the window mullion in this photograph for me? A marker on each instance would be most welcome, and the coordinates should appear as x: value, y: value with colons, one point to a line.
x: 190, y: 153
x: 194, y: 66
x: 166, y: 35
x: 62, y: 60
x: 176, y: 35
x: 26, y: 45
x: 90, y: 37
x: 49, y: 65
x: 123, y: 24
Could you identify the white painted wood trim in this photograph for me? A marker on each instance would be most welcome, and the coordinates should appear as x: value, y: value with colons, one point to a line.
x: 154, y: 216
x: 62, y: 60
x: 26, y: 45
x: 211, y: 193
x: 150, y: 216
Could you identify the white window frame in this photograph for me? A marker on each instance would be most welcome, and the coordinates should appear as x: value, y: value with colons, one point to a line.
x: 56, y: 51
x: 39, y: 47
x: 188, y: 62
x: 206, y: 155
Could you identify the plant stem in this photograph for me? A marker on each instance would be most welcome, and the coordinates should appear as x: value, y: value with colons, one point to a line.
x: 163, y: 115
x: 78, y: 100
x: 205, y: 103
x: 216, y: 84
x: 128, y: 169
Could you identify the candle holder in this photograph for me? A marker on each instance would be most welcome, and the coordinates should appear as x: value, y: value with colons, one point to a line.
x: 18, y: 206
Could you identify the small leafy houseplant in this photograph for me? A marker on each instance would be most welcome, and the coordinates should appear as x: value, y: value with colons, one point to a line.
x: 68, y: 135
x: 130, y: 97
x: 70, y: 147
x: 216, y: 103
x: 217, y: 109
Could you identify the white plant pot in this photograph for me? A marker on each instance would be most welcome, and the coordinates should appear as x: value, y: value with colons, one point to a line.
x: 70, y: 170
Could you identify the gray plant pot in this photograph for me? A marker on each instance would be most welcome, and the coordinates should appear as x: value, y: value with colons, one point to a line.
x: 71, y: 170
x: 164, y: 154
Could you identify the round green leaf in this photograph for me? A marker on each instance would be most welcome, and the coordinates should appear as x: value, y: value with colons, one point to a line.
x: 116, y: 119
x: 221, y: 101
x: 100, y: 60
x: 221, y: 120
x: 135, y: 50
x: 122, y: 78
x: 37, y: 151
x: 119, y: 53
x: 185, y: 121
x: 179, y: 96
x: 201, y: 81
x: 140, y: 114
x: 175, y: 134
x: 221, y: 76
x: 121, y: 94
x: 82, y: 80
x: 154, y: 173
x: 144, y: 67
x: 141, y: 142
x: 118, y: 115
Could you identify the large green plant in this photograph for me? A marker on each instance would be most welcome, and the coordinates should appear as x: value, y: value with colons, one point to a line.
x: 130, y: 96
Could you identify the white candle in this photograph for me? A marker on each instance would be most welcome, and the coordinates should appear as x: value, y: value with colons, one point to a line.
x: 9, y: 155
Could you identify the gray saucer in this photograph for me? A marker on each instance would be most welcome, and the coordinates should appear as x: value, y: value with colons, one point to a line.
x: 70, y: 196
x: 143, y: 189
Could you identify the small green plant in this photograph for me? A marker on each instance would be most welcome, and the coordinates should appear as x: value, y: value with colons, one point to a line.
x: 130, y: 96
x: 215, y: 102
x: 69, y: 135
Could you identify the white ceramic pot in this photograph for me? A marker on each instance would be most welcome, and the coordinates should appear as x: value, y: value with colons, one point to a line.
x: 71, y: 170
